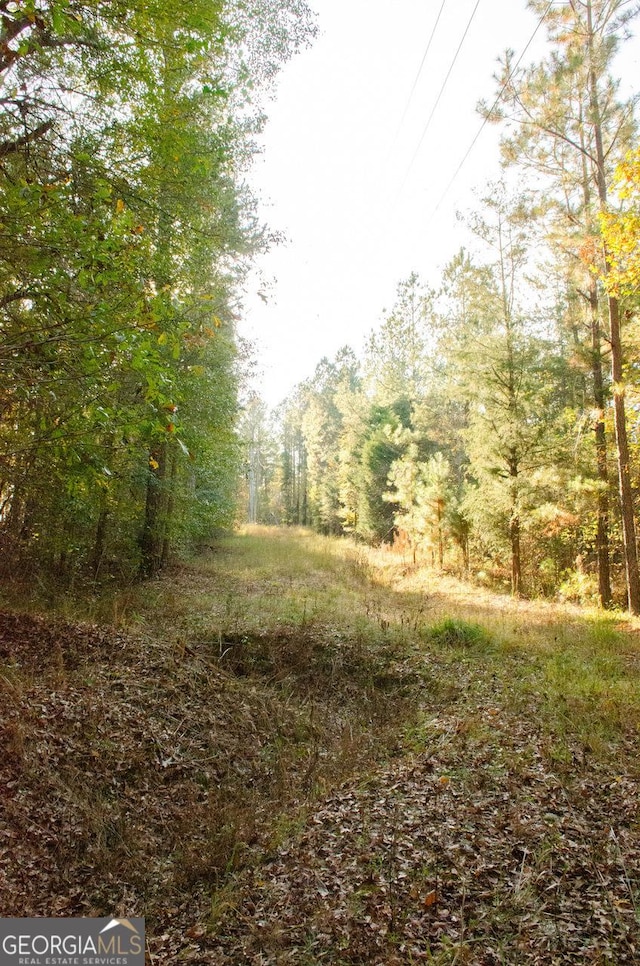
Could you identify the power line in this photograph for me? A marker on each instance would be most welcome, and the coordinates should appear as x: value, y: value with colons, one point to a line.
x: 491, y: 110
x: 420, y: 68
x: 439, y: 97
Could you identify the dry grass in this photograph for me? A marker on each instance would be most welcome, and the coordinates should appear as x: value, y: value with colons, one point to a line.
x: 217, y: 707
x: 222, y: 699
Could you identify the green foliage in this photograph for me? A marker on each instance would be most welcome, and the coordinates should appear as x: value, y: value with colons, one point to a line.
x: 124, y: 133
x: 454, y: 633
x: 322, y: 426
x: 565, y: 122
x: 397, y: 352
x: 423, y: 493
x: 382, y: 443
x: 480, y: 435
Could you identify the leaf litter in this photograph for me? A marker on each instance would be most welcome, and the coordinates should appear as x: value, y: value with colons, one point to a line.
x: 227, y: 805
x: 520, y: 867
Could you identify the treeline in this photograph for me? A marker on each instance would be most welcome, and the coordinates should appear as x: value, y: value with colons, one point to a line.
x: 125, y: 133
x: 492, y: 424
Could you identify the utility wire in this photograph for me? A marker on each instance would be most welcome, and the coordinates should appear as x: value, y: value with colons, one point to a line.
x: 490, y: 111
x: 439, y: 97
x: 420, y: 68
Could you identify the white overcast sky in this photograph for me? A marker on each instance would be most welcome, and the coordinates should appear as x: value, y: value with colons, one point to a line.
x: 352, y: 189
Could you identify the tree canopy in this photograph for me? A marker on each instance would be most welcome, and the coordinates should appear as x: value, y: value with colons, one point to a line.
x: 125, y: 133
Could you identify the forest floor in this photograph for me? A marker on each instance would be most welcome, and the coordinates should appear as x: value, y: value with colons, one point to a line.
x: 297, y: 751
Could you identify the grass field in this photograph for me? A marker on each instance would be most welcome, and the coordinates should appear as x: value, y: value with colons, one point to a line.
x: 304, y: 751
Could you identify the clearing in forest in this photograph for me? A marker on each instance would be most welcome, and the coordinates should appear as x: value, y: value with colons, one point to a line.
x: 295, y: 750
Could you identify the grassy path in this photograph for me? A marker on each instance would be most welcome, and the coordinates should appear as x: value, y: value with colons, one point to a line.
x: 304, y: 752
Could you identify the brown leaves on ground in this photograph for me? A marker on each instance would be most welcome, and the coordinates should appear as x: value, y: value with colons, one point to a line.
x: 242, y: 793
x: 130, y: 774
x: 138, y: 773
x: 493, y: 866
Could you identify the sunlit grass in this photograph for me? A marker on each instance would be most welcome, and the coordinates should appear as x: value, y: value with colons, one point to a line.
x: 333, y: 662
x: 579, y: 668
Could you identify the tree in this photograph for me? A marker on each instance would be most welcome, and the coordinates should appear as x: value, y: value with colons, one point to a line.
x: 567, y: 118
x: 322, y: 426
x: 422, y: 492
x: 295, y: 491
x: 260, y: 441
x: 396, y: 363
x: 125, y: 131
x: 503, y: 374
x: 382, y: 443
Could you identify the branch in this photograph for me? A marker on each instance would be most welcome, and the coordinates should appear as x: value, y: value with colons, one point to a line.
x: 12, y: 28
x: 563, y: 137
x: 628, y: 113
x: 10, y: 147
x: 41, y: 37
x: 23, y: 293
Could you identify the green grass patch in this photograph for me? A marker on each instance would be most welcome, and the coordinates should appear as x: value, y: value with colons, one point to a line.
x: 453, y: 633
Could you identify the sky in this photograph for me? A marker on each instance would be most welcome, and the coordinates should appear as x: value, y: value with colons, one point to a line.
x: 357, y: 165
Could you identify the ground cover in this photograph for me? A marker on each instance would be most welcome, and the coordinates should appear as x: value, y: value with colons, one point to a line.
x: 295, y: 750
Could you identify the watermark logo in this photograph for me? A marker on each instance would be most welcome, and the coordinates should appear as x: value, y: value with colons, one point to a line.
x: 72, y: 942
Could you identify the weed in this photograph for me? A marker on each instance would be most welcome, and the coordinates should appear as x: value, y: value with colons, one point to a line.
x: 454, y: 633
x: 224, y: 900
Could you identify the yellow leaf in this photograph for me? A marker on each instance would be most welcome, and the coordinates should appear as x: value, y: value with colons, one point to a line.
x: 119, y: 206
x: 153, y: 463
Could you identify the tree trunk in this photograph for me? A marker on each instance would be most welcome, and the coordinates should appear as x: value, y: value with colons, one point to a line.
x: 600, y: 402
x: 254, y: 480
x: 516, y: 562
x: 514, y: 529
x: 622, y: 443
x: 97, y: 554
x: 599, y: 397
x: 624, y: 472
x: 169, y: 507
x: 152, y: 536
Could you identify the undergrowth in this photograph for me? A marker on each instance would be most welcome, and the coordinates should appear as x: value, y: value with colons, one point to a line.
x: 216, y: 705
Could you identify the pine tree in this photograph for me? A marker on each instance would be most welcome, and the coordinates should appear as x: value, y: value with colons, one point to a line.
x: 570, y: 129
x: 503, y: 376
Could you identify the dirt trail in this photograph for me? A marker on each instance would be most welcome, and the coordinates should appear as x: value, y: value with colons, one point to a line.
x: 293, y: 754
